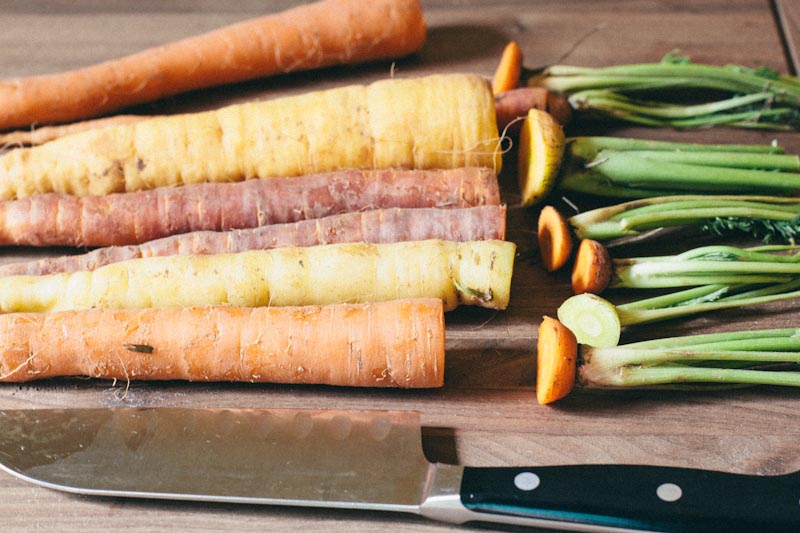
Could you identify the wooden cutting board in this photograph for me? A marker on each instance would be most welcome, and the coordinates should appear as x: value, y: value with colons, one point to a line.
x: 487, y: 413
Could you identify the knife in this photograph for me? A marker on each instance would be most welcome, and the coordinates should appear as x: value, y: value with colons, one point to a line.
x: 367, y: 460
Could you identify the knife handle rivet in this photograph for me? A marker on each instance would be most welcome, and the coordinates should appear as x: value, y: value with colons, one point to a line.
x: 669, y: 492
x: 526, y: 481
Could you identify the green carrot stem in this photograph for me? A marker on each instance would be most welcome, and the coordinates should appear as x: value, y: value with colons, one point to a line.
x: 761, y: 254
x: 771, y: 119
x: 660, y: 375
x: 628, y: 169
x: 632, y: 217
x: 587, y: 147
x: 610, y: 101
x: 692, y: 296
x: 596, y: 184
x: 636, y: 280
x: 656, y: 203
x: 624, y: 356
x: 789, y: 163
x: 706, y: 265
x: 630, y: 315
x: 748, y: 98
x: 569, y: 79
x: 682, y: 217
x: 787, y: 208
x: 749, y: 339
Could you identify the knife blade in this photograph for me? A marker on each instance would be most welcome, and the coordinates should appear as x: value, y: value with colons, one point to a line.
x: 367, y: 460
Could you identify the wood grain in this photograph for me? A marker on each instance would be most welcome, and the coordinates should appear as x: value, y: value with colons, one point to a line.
x: 487, y: 413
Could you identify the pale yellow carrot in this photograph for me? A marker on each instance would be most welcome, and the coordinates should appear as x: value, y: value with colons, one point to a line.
x: 471, y: 273
x: 438, y: 121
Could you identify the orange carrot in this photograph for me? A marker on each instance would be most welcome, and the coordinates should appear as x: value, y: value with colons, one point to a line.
x: 513, y: 105
x: 506, y: 77
x: 310, y: 36
x: 398, y: 343
x: 592, y: 270
x: 136, y: 217
x: 375, y: 226
x: 555, y: 239
x: 556, y: 361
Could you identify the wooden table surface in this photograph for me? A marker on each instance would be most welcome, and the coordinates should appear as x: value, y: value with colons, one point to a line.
x: 486, y: 414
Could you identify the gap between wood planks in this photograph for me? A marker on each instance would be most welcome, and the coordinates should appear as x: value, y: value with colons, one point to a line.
x: 789, y: 35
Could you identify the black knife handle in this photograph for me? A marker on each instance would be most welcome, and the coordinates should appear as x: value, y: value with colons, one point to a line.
x: 638, y: 498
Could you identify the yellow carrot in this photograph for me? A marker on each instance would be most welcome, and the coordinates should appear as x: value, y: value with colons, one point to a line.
x: 471, y: 273
x: 439, y: 121
x: 398, y: 343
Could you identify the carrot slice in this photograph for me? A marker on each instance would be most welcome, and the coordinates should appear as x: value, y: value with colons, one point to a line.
x: 555, y: 239
x: 506, y: 77
x: 541, y: 147
x: 556, y: 361
x: 592, y: 270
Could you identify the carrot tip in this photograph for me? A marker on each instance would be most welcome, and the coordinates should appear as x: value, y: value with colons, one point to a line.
x: 506, y: 77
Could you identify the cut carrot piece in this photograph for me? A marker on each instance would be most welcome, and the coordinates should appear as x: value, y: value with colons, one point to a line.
x: 592, y: 270
x: 506, y: 77
x: 556, y: 361
x: 555, y: 239
x: 593, y: 320
x: 541, y: 147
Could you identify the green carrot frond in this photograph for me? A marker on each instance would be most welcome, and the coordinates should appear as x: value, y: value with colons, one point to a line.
x: 764, y: 230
